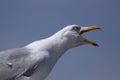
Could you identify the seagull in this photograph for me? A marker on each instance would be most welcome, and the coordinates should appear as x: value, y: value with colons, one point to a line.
x: 36, y: 60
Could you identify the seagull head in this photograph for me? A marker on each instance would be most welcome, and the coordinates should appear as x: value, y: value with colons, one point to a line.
x: 68, y: 37
x: 73, y: 35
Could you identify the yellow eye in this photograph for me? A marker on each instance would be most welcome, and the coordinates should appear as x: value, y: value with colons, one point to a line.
x: 76, y: 28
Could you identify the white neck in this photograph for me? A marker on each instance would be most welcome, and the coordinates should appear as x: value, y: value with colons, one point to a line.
x: 56, y: 44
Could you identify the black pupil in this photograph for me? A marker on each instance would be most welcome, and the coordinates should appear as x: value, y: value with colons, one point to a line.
x: 76, y: 28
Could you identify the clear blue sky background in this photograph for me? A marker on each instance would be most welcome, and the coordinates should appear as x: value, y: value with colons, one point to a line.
x: 24, y: 21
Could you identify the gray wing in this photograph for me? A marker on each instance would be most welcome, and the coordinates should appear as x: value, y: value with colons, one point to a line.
x: 15, y: 63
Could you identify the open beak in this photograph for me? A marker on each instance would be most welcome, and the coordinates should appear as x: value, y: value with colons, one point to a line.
x: 86, y: 29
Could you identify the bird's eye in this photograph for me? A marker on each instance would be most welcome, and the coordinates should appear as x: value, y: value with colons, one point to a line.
x: 76, y: 28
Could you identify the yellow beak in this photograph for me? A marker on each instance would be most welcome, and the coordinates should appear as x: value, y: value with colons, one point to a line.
x: 86, y: 29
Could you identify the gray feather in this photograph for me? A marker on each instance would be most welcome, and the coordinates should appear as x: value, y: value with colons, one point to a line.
x: 12, y: 64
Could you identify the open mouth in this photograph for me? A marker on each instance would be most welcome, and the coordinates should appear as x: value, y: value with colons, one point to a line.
x: 86, y: 29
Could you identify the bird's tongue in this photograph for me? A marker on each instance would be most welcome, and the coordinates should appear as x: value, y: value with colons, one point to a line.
x: 86, y: 29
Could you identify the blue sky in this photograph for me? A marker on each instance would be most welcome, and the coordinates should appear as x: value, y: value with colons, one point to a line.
x: 24, y: 21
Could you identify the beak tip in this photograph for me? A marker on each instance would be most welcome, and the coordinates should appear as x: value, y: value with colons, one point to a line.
x: 97, y: 45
